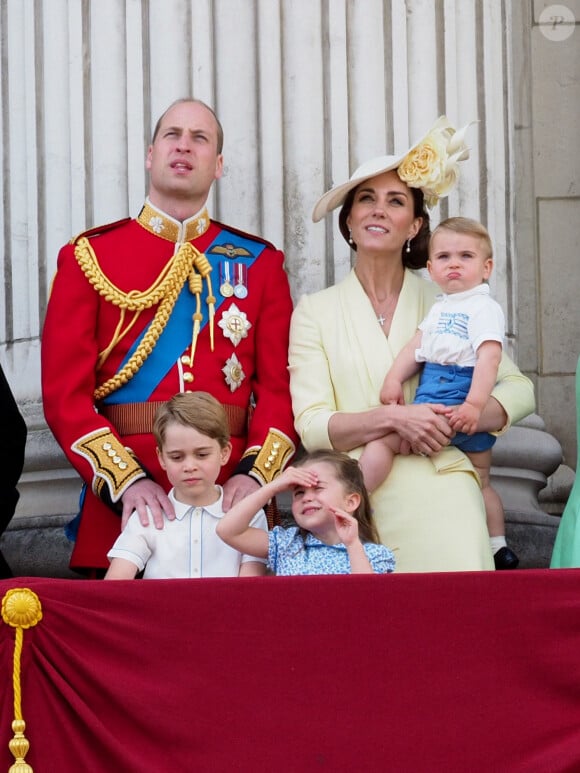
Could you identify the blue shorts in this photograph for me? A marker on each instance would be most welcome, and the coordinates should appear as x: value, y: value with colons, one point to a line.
x: 449, y: 384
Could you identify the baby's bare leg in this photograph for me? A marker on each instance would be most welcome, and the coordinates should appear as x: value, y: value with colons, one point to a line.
x: 503, y: 556
x: 377, y: 457
x: 481, y: 460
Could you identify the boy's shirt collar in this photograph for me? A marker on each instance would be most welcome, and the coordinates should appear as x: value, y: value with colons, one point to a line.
x: 482, y: 289
x: 181, y: 509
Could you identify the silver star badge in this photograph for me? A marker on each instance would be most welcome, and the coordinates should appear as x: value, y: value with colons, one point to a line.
x: 233, y: 372
x: 235, y: 324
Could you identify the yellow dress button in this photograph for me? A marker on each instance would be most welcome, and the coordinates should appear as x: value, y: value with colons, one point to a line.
x: 188, y: 378
x: 185, y: 359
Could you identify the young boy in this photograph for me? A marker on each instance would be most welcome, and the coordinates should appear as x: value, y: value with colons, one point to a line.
x: 460, y: 342
x: 193, y: 444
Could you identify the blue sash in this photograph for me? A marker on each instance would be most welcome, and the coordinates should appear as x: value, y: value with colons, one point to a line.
x: 176, y: 335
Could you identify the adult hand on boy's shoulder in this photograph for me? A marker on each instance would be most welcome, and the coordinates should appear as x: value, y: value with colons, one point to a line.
x: 236, y: 488
x: 145, y: 494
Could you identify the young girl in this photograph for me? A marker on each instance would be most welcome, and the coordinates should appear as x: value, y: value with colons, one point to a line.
x: 334, y: 534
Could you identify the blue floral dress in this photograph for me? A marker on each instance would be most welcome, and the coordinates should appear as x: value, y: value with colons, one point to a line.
x: 290, y: 554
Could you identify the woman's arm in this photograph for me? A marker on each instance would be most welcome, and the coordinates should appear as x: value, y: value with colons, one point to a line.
x: 511, y: 400
x: 424, y: 427
x: 318, y: 421
x: 321, y: 425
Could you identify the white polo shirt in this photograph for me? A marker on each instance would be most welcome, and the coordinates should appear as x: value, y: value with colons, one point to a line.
x: 458, y: 324
x: 185, y: 547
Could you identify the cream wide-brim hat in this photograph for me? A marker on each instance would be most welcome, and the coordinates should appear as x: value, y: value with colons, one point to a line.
x: 449, y: 143
x: 335, y: 196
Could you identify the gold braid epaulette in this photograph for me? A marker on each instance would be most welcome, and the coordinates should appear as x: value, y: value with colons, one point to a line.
x: 164, y: 291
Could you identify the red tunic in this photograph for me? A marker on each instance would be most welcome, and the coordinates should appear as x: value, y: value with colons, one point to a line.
x: 248, y: 365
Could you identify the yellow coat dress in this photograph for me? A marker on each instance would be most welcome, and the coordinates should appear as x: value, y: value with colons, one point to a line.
x: 429, y: 511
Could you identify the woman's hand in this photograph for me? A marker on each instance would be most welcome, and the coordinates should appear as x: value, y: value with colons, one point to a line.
x: 424, y: 427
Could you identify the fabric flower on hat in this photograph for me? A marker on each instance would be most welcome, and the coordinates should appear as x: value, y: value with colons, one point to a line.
x: 432, y: 165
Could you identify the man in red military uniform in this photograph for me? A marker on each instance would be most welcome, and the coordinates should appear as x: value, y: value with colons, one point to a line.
x: 168, y: 302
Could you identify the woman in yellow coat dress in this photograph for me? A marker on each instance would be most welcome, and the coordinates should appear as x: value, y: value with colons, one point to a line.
x: 429, y: 510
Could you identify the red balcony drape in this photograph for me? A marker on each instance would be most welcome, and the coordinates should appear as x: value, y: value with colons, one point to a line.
x: 445, y: 672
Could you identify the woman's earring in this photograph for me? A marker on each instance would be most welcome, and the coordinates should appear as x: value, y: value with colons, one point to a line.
x: 350, y: 241
x: 408, y: 246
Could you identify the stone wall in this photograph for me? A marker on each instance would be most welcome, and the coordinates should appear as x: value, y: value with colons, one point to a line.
x: 546, y: 98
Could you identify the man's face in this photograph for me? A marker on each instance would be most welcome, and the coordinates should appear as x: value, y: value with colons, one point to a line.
x: 183, y: 160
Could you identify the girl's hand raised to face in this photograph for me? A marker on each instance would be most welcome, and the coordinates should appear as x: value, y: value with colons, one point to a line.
x: 293, y: 477
x: 346, y: 526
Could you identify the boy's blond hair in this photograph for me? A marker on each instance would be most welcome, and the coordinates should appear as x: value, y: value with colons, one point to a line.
x: 465, y: 225
x: 198, y: 410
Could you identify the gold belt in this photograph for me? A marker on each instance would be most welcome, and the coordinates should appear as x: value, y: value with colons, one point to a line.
x: 137, y: 418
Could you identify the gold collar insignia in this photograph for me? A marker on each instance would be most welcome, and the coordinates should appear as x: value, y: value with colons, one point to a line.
x: 157, y: 222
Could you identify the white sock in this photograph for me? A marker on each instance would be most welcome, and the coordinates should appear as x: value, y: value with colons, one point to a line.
x: 497, y: 543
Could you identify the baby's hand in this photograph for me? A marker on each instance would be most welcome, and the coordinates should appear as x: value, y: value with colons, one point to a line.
x: 346, y: 526
x: 464, y: 418
x: 392, y: 393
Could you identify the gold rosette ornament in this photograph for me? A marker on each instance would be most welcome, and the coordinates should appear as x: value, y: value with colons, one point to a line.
x: 21, y: 609
x: 433, y: 164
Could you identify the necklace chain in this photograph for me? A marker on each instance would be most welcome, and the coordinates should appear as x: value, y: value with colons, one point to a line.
x: 390, y: 304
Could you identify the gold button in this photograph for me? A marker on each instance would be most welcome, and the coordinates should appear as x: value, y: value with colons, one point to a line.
x: 185, y: 359
x: 188, y: 378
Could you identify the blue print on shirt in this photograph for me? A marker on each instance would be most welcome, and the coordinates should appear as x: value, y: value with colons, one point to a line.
x: 453, y: 323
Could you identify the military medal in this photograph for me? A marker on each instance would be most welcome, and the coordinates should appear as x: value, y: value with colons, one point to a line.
x: 226, y: 287
x: 240, y: 288
x: 233, y: 372
x: 235, y: 324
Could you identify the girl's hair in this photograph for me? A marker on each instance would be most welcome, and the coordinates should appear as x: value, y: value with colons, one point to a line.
x: 349, y: 473
x: 465, y: 225
x: 198, y: 410
x: 417, y: 257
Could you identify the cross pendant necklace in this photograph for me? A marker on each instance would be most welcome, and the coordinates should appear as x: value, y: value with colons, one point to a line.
x: 381, y: 320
